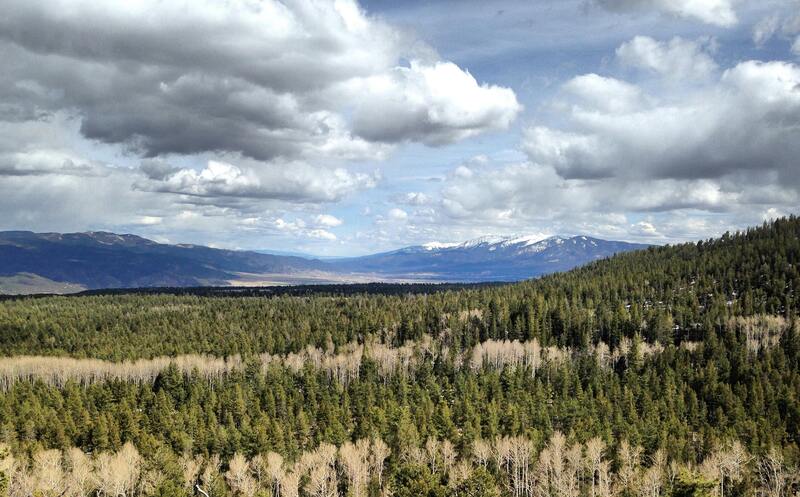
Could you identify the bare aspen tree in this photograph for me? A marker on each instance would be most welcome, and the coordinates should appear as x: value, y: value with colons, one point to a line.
x: 448, y: 455
x: 78, y: 480
x: 118, y: 474
x: 595, y: 449
x: 651, y: 482
x: 379, y: 452
x: 190, y: 467
x: 481, y: 452
x: 48, y: 473
x: 513, y: 454
x: 258, y: 468
x: 415, y: 455
x: 502, y: 453
x: 734, y: 459
x: 354, y: 458
x: 276, y: 471
x: 321, y: 482
x: 672, y: 471
x: 772, y: 475
x: 550, y: 467
x: 21, y: 483
x: 604, y: 488
x: 432, y: 453
x: 574, y: 466
x: 210, y: 473
x: 320, y: 466
x: 290, y: 484
x: 149, y: 482
x: 629, y: 461
x: 238, y: 476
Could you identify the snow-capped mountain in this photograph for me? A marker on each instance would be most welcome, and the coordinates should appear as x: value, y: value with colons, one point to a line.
x: 63, y: 262
x: 488, y: 258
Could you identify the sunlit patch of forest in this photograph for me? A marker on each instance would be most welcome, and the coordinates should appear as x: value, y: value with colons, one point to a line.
x: 670, y: 371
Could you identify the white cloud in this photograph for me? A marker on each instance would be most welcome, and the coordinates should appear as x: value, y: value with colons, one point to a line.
x: 328, y: 220
x: 716, y: 12
x: 396, y: 214
x: 322, y: 234
x: 463, y: 171
x: 292, y: 182
x: 607, y: 94
x: 678, y: 58
x: 433, y: 103
x: 695, y: 161
x: 149, y: 220
x: 746, y: 122
x: 413, y: 198
x: 645, y: 228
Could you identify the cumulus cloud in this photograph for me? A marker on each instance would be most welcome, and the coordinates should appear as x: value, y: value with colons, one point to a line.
x: 299, y: 228
x: 678, y: 58
x: 432, y: 103
x: 746, y: 122
x: 396, y: 214
x: 322, y: 234
x: 607, y: 94
x: 678, y: 163
x: 293, y: 182
x: 266, y: 80
x: 715, y: 12
x: 413, y: 198
x: 328, y: 220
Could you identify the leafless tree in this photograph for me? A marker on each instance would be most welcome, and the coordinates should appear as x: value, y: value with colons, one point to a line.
x: 239, y: 478
x: 117, y: 475
x: 774, y: 477
x: 629, y: 462
x: 379, y: 452
x: 355, y: 459
x: 276, y: 471
x: 48, y: 473
x: 595, y: 449
x: 482, y: 452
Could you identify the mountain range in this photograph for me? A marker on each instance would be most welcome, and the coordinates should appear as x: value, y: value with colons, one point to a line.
x: 70, y: 262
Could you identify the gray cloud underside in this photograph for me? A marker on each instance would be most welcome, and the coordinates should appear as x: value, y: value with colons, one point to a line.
x: 265, y: 80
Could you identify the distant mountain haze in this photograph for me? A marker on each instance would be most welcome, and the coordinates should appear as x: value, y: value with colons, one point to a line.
x: 64, y: 263
x: 488, y: 258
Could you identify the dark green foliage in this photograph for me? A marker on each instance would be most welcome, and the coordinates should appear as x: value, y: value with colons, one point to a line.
x: 480, y: 483
x: 691, y: 485
x: 415, y: 481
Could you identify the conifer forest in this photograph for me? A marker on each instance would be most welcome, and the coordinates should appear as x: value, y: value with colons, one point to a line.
x: 669, y: 371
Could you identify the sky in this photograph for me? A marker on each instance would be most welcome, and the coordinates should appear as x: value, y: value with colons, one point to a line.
x: 334, y: 127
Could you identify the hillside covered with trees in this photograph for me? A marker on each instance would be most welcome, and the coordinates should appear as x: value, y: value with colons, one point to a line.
x: 669, y: 371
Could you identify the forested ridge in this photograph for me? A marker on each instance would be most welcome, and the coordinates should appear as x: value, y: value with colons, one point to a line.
x: 669, y: 371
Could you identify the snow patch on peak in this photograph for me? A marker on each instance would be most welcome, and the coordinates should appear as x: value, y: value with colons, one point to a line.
x: 484, y: 240
x: 438, y: 245
x: 524, y: 240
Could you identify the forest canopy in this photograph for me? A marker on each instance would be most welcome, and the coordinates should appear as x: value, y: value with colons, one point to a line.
x: 669, y: 371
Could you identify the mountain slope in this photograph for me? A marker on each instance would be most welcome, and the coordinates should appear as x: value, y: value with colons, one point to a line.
x: 487, y: 258
x: 108, y: 260
x: 62, y: 263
